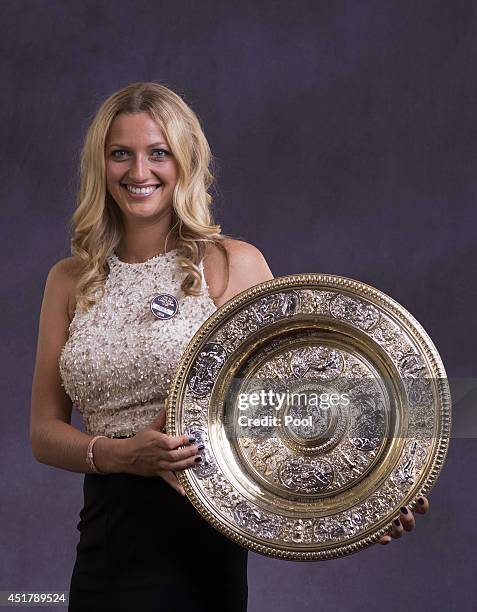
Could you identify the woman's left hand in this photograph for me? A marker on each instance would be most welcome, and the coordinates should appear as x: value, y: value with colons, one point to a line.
x: 405, y: 521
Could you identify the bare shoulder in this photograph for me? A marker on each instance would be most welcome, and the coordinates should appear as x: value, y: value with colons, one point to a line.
x: 68, y: 268
x: 62, y: 281
x: 247, y: 267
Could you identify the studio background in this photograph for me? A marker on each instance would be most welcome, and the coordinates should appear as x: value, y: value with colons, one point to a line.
x: 344, y: 137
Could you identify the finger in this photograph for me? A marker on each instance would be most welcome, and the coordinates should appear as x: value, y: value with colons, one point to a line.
x: 407, y: 519
x: 173, y: 442
x: 180, y: 465
x: 422, y: 505
x: 180, y: 453
x: 385, y: 539
x: 171, y: 479
x: 397, y: 529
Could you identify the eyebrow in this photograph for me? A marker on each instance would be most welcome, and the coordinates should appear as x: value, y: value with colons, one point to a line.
x: 155, y: 144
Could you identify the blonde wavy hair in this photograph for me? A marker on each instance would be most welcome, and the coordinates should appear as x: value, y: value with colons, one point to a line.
x: 97, y: 222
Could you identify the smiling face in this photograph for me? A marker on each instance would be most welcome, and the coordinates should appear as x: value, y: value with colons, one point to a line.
x: 141, y: 171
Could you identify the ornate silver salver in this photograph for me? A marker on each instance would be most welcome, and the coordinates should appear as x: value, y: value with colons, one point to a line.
x: 323, y: 407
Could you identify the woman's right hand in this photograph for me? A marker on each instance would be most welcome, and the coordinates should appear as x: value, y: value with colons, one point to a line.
x: 153, y: 453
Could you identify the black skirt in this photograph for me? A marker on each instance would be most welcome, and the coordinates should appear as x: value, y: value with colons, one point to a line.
x: 143, y: 546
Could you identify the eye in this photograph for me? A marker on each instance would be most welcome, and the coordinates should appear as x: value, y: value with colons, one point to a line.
x: 166, y: 153
x: 113, y: 154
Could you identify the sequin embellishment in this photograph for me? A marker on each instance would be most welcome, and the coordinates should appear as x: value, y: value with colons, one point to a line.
x: 118, y: 361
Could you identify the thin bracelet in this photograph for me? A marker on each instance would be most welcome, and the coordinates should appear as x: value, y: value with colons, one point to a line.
x: 89, y: 455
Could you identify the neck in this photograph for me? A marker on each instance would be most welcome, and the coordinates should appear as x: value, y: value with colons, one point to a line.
x: 143, y: 241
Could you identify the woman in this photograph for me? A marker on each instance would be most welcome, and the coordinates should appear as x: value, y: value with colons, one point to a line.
x: 149, y: 266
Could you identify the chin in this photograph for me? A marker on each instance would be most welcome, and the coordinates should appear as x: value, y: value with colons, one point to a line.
x: 143, y: 209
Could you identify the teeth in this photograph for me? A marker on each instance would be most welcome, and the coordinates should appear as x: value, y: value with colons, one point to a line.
x: 141, y: 190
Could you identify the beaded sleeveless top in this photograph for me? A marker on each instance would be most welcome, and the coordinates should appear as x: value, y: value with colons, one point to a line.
x: 119, y: 359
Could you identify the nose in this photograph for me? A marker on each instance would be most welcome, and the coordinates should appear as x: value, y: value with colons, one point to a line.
x: 139, y: 170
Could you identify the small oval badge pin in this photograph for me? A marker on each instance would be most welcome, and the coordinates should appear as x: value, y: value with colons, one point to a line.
x: 164, y: 306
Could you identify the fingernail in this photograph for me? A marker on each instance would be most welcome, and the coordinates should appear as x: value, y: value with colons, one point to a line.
x: 191, y: 440
x: 420, y: 501
x: 396, y: 522
x: 201, y: 447
x: 404, y: 510
x: 198, y: 459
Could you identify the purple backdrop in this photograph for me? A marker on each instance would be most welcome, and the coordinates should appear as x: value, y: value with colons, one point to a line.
x: 345, y: 140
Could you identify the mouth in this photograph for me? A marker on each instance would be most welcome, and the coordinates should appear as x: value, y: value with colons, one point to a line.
x: 140, y: 192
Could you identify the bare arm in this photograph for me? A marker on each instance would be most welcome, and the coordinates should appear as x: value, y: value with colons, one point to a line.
x: 53, y: 439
